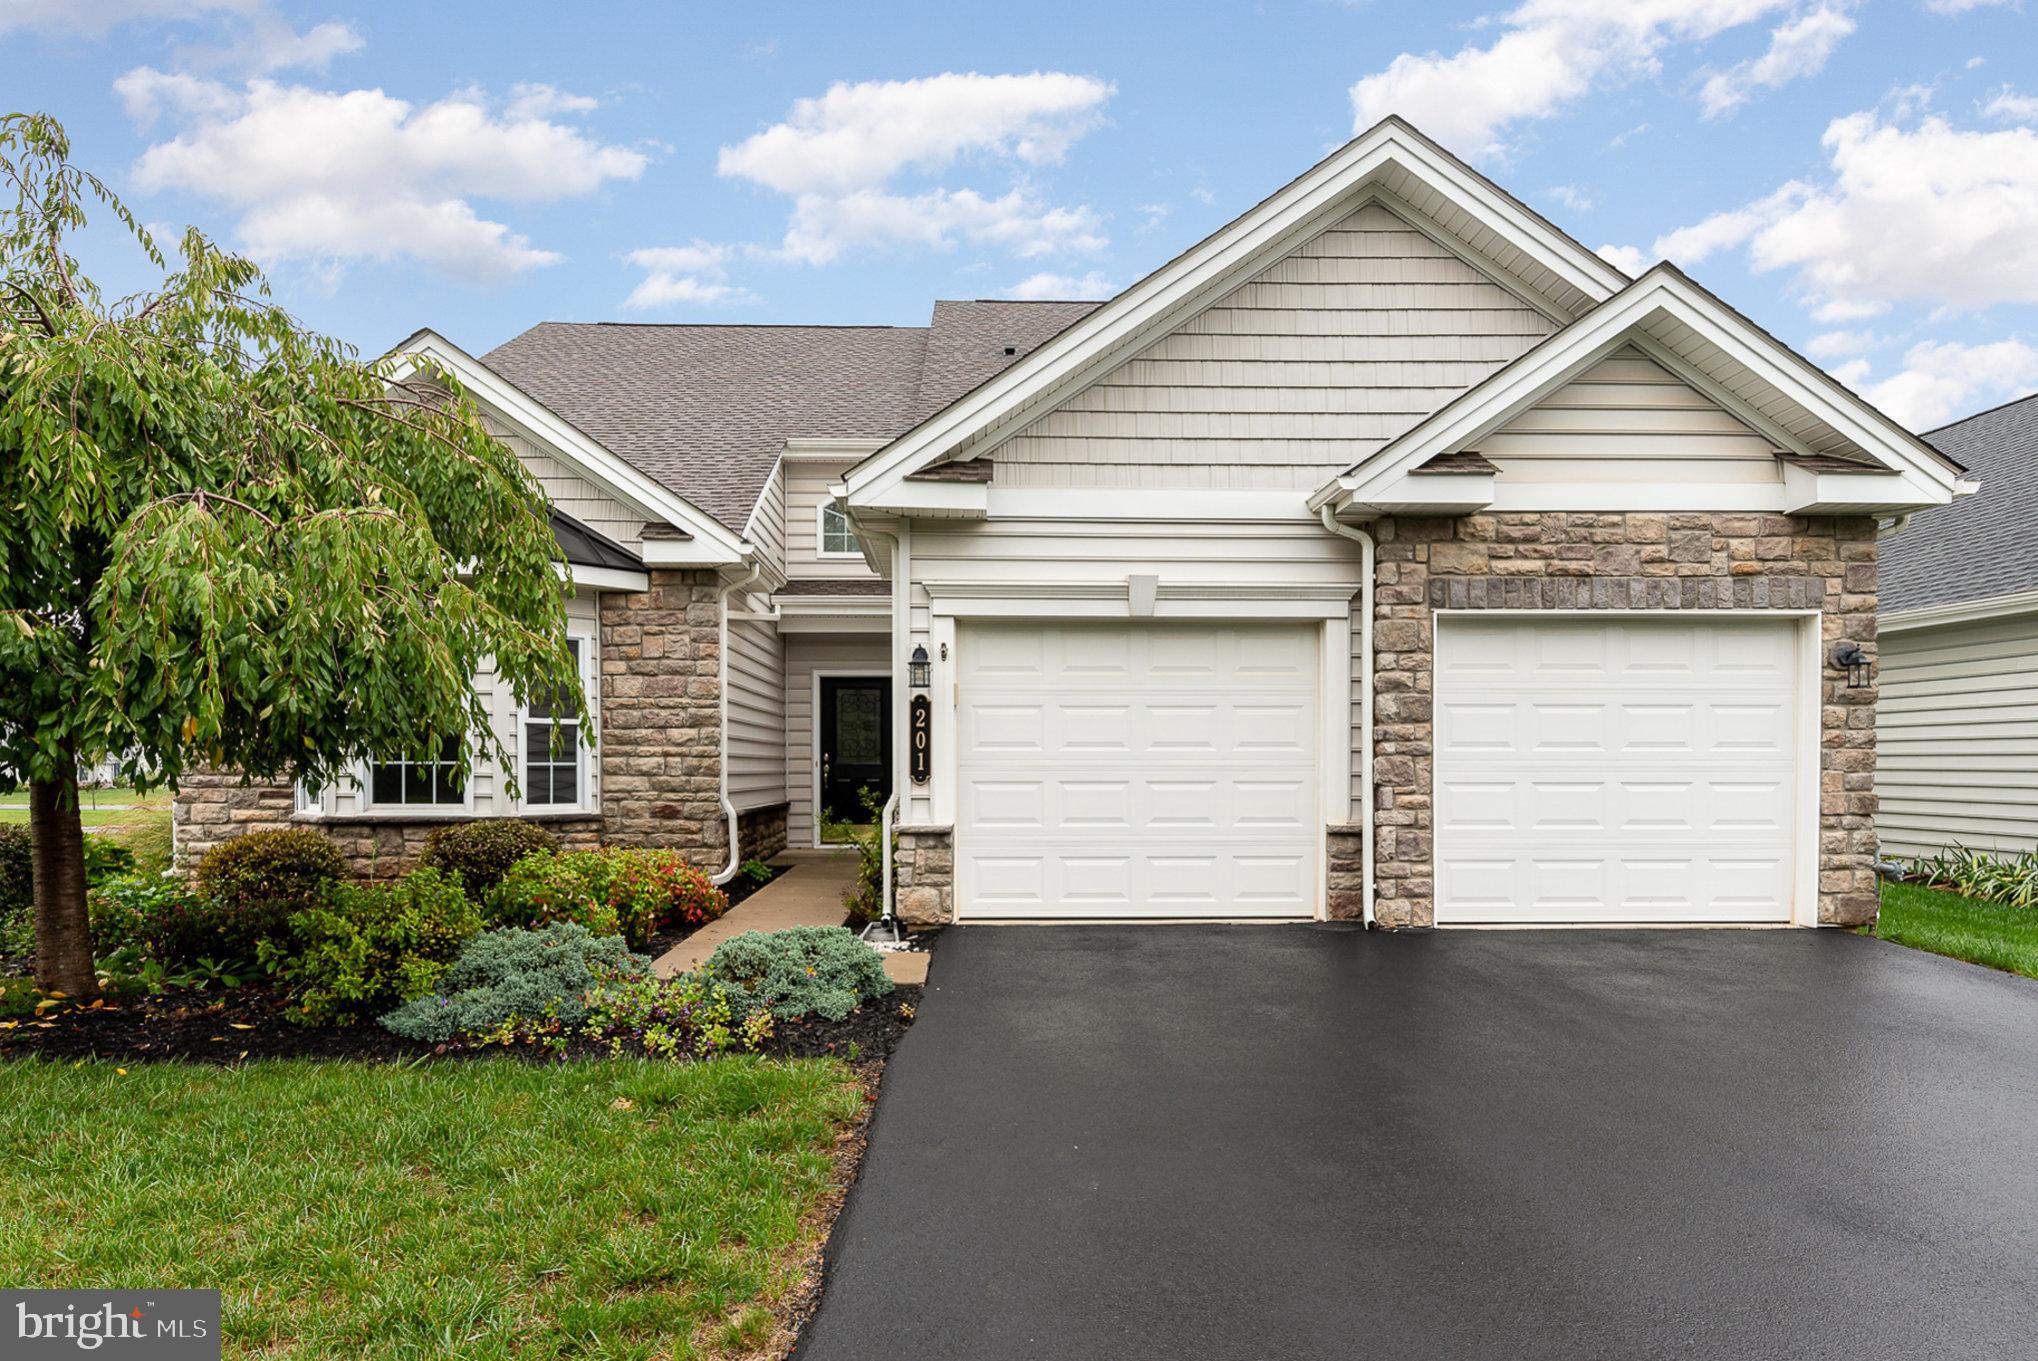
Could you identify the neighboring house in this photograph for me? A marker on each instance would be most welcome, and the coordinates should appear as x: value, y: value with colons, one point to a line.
x: 1386, y: 555
x: 1957, y: 729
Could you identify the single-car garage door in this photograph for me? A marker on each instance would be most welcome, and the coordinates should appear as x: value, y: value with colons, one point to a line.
x: 1122, y: 770
x: 1638, y: 769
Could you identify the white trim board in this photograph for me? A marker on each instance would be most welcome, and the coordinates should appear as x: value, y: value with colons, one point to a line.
x: 2011, y: 606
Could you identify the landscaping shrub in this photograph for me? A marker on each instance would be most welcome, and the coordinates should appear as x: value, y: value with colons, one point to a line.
x: 259, y: 881
x: 481, y: 853
x: 2004, y: 877
x: 369, y: 948
x: 505, y: 974
x: 689, y: 1014
x: 162, y: 919
x: 556, y: 886
x: 824, y: 970
x: 17, y: 870
x: 151, y: 844
x: 104, y: 858
x: 649, y: 889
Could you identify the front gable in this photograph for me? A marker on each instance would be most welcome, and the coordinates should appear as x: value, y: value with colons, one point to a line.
x: 1390, y: 253
x: 1330, y: 351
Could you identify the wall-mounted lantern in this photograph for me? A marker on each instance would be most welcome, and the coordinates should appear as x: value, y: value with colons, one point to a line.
x: 1847, y: 656
x: 919, y: 674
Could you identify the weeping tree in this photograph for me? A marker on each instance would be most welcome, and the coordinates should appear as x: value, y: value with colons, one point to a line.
x: 228, y: 542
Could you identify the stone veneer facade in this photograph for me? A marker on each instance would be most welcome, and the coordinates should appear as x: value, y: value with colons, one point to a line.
x: 660, y: 754
x: 923, y: 875
x: 1574, y: 561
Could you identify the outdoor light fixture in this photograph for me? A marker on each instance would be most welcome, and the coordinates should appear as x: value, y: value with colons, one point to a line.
x: 1848, y: 657
x: 918, y: 672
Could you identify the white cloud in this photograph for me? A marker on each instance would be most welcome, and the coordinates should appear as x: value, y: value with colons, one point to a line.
x: 1943, y: 380
x: 1922, y: 212
x: 258, y: 38
x: 1837, y: 344
x: 839, y: 158
x: 326, y: 177
x: 1628, y: 260
x: 1963, y: 6
x: 2010, y: 105
x: 1151, y: 215
x: 1552, y: 53
x: 542, y: 101
x: 1798, y: 49
x: 1044, y: 285
x: 1203, y: 195
x: 689, y: 275
x: 1572, y: 197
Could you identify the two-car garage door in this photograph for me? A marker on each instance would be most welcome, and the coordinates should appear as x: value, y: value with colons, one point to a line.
x: 1116, y: 770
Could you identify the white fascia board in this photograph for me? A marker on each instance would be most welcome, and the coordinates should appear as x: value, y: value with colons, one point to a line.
x: 2016, y: 604
x: 800, y: 449
x: 947, y: 499
x: 606, y: 579
x: 615, y: 476
x: 1116, y: 504
x: 1431, y: 494
x: 689, y: 553
x: 1892, y: 493
x: 1661, y: 293
x: 1293, y: 213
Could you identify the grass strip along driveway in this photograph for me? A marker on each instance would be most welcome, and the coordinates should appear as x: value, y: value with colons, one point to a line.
x: 1995, y: 934
x: 484, y: 1209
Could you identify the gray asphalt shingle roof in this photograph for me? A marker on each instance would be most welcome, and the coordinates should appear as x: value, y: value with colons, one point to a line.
x: 706, y: 409
x: 1981, y: 545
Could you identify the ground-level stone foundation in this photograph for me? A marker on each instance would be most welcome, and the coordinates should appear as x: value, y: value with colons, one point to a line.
x: 1345, y: 867
x: 760, y: 832
x: 923, y: 873
x: 1574, y: 561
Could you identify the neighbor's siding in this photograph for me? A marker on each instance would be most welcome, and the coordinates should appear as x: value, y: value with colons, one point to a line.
x: 806, y: 487
x: 1628, y: 419
x: 1957, y: 738
x: 864, y: 654
x: 1299, y: 373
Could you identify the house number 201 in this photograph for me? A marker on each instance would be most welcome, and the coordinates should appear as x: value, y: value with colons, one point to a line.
x: 922, y: 728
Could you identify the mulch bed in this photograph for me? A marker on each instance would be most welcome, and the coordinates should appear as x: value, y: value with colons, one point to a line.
x: 739, y: 888
x: 243, y: 1024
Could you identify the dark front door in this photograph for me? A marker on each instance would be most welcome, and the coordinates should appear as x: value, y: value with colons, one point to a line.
x: 856, y: 744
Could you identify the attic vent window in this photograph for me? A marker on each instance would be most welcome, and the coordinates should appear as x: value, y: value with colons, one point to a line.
x: 1011, y: 350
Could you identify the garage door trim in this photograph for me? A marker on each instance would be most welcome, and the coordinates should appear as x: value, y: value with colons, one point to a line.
x: 1809, y: 698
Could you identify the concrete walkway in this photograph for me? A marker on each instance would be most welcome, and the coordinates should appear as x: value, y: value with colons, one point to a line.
x: 809, y: 893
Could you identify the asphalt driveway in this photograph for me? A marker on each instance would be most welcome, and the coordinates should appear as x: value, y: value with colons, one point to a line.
x: 1299, y: 1142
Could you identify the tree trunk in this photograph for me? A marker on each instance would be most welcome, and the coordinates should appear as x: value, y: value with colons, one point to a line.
x: 63, y: 931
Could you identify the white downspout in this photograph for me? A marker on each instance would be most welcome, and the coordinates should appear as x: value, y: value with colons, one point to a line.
x: 902, y: 624
x: 722, y: 644
x: 1365, y: 542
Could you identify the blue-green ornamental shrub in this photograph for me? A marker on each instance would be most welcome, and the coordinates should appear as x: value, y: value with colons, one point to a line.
x: 820, y: 970
x: 374, y: 946
x: 511, y: 973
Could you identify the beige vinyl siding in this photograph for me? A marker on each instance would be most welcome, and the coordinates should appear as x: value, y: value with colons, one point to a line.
x: 862, y: 654
x: 574, y: 494
x: 806, y: 487
x: 756, y: 709
x: 1298, y: 373
x: 766, y: 528
x: 1629, y: 419
x: 1957, y: 737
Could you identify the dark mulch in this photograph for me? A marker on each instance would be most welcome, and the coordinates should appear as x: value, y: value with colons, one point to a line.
x: 739, y: 888
x: 242, y: 1024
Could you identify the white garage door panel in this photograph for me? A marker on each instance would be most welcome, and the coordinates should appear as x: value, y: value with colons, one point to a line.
x: 1592, y: 771
x: 1137, y: 771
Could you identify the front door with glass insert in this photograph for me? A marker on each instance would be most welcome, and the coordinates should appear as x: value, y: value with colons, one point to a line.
x: 856, y: 744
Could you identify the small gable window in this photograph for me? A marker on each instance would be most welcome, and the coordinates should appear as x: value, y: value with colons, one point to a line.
x: 837, y: 539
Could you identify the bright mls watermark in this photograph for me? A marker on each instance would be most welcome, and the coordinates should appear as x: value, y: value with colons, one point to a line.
x: 162, y: 1325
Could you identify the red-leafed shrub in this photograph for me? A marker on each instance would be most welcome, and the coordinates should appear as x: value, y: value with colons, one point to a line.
x: 650, y: 890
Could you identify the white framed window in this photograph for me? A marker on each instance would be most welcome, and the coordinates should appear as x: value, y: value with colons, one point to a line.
x: 555, y: 763
x: 429, y: 781
x: 832, y: 535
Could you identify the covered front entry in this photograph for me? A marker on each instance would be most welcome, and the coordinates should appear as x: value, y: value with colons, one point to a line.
x: 1618, y: 768
x: 1129, y: 769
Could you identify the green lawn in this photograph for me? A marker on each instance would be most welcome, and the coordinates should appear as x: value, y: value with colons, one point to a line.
x: 100, y: 809
x: 1965, y: 928
x: 481, y: 1210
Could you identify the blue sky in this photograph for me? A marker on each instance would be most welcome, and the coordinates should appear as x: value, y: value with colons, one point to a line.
x: 1861, y: 176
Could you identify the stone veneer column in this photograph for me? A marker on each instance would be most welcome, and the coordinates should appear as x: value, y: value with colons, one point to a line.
x: 1572, y: 561
x: 924, y: 875
x: 661, y: 718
